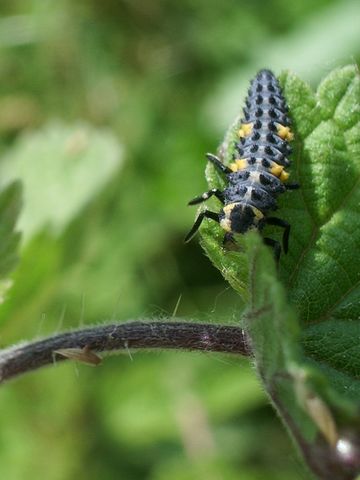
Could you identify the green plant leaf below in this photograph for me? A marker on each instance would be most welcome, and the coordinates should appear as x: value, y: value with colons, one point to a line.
x: 303, y: 320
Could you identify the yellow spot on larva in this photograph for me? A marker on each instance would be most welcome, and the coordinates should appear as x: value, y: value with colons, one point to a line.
x: 228, y: 208
x: 225, y: 224
x: 239, y: 164
x: 245, y: 130
x: 284, y: 132
x: 276, y: 170
x: 258, y: 214
x: 284, y: 176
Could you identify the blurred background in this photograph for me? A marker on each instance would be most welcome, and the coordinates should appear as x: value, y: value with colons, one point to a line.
x: 106, y: 111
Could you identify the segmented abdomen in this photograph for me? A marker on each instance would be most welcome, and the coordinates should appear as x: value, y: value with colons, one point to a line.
x: 261, y: 154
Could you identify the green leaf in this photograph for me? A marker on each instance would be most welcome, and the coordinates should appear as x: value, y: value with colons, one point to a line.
x: 10, y: 204
x: 304, y: 320
x: 62, y: 168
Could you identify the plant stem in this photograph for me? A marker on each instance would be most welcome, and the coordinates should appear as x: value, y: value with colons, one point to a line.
x: 180, y: 335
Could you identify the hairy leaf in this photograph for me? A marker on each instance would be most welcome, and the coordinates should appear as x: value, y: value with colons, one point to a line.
x: 304, y: 320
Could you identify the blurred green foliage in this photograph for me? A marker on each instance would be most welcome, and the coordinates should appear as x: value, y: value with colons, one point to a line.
x: 153, y: 82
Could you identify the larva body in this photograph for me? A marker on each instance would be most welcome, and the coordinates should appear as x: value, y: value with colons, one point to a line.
x: 257, y: 174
